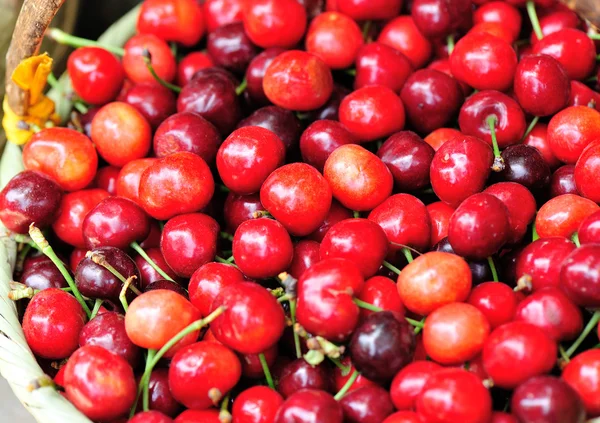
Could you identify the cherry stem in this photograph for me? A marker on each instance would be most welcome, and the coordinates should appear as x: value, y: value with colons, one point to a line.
x: 53, y: 82
x: 96, y: 308
x: 146, y: 397
x: 226, y: 236
x: 151, y: 262
x: 415, y: 323
x: 498, y: 160
x: 563, y: 354
x: 450, y: 43
x: 534, y: 234
x: 265, y: 367
x: 152, y: 362
x: 575, y: 239
x: 534, y: 122
x: 224, y: 414
x: 148, y: 61
x: 101, y: 261
x: 408, y: 254
x: 586, y: 331
x: 81, y: 108
x: 222, y: 188
x: 347, y: 386
x: 533, y: 17
x: 351, y: 72
x: 24, y: 239
x: 22, y: 256
x: 594, y: 36
x: 225, y: 261
x: 345, y: 369
x: 365, y: 30
x: 598, y: 57
x: 239, y: 90
x: 356, y: 214
x: 366, y: 306
x: 292, y: 303
x: 493, y: 268
x: 123, y: 294
x: 62, y: 37
x: 39, y: 239
x: 391, y: 267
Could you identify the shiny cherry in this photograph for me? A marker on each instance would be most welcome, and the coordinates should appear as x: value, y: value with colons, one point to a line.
x: 163, y: 60
x: 586, y: 168
x: 525, y: 165
x: 589, y: 230
x: 155, y: 103
x: 367, y: 404
x: 497, y: 302
x: 282, y: 122
x: 308, y: 406
x: 380, y: 64
x: 239, y: 208
x: 255, y: 72
x: 258, y: 404
x: 181, y: 21
x: 128, y: 181
x: 299, y: 375
x: 571, y: 130
x: 320, y: 139
x: 439, y: 214
x: 96, y: 74
x: 381, y: 292
x: 563, y: 181
x: 306, y: 253
x: 190, y: 64
x: 562, y: 215
x: 274, y: 23
x: 221, y: 12
x: 42, y: 274
x: 208, y: 281
x: 402, y: 34
x: 408, y: 383
x: 583, y: 375
x: 230, y: 47
x: 439, y: 18
x: 580, y: 276
x: 538, y: 138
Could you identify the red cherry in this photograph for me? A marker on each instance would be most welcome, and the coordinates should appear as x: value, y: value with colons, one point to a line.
x: 274, y: 23
x: 516, y: 351
x: 192, y: 63
x: 501, y: 13
x: 255, y: 73
x: 106, y: 179
x: 379, y: 64
x: 282, y: 122
x: 438, y: 137
x: 306, y: 253
x: 257, y: 404
x: 199, y: 416
x: 253, y: 320
x: 96, y: 74
x: 341, y: 378
x: 299, y: 375
x: 583, y: 375
x: 239, y: 208
x: 128, y: 182
x: 335, y: 38
x: 496, y: 301
x: 408, y: 383
x: 484, y: 61
x: 221, y: 12
x: 150, y: 417
x: 361, y: 10
x: 500, y: 417
x: 162, y: 58
x: 403, y: 417
x: 494, y: 28
x: 579, y: 276
x: 202, y: 373
x: 455, y: 395
x: 538, y: 138
x: 300, y: 208
x: 65, y: 155
x: 587, y: 167
x: 320, y: 139
x: 99, y: 383
x: 208, y: 281
x: 589, y: 230
x: 364, y: 193
x: 562, y: 215
x: 439, y: 214
x: 186, y: 186
x: 52, y: 322
x: 262, y: 248
x: 181, y: 21
x: 432, y: 280
x: 582, y: 95
x: 381, y: 292
x: 403, y: 35
x: 372, y: 112
x: 189, y: 241
x: 571, y: 130
x: 298, y: 80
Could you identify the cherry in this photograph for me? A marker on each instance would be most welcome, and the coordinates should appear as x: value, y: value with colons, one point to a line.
x: 150, y: 417
x: 525, y: 165
x: 187, y: 132
x: 572, y: 48
x: 186, y: 186
x: 199, y: 416
x: 439, y: 214
x: 494, y: 28
x: 251, y: 363
x: 589, y: 230
x: 160, y: 397
x: 202, y: 373
x: 551, y: 310
x: 65, y: 155
x: 274, y: 23
x: 282, y: 122
x: 255, y: 72
x: 221, y: 12
x: 541, y: 261
x: 361, y: 241
x: 340, y: 377
x: 257, y: 404
x: 365, y: 193
x: 320, y: 139
x: 367, y: 404
x: 252, y: 321
x: 571, y: 130
x: 580, y: 275
x: 325, y: 307
x: 538, y: 138
x: 306, y: 253
x: 128, y: 181
x: 517, y: 351
x: 212, y: 95
x: 190, y: 64
x: 360, y: 10
x: 299, y: 375
x: 208, y: 281
x: 405, y: 221
x: 379, y: 64
x: 168, y: 285
x: 439, y: 18
x: 162, y: 59
x: 335, y: 38
x: 381, y: 292
x: 262, y: 248
x: 96, y: 74
x: 501, y: 417
x: 563, y: 181
x: 454, y: 395
x: 502, y: 13
x: 95, y: 281
x: 298, y: 80
x: 42, y: 274
x: 433, y: 280
x: 460, y: 168
x: 99, y: 383
x: 189, y: 241
x: 155, y: 317
x: 52, y: 322
x: 484, y: 61
x: 181, y: 21
x: 289, y: 202
x: 403, y: 417
x: 583, y: 375
x: 402, y: 34
x: 155, y: 103
x: 497, y: 302
x: 556, y: 19
x: 336, y: 214
x: 309, y: 405
x: 372, y: 112
x: 106, y: 179
x: 587, y: 166
x: 331, y: 108
x: 408, y: 383
x: 107, y: 330
x: 562, y: 215
x: 239, y: 208
x: 582, y: 95
x: 230, y: 47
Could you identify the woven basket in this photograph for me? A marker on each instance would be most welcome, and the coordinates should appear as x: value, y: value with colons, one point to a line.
x: 17, y: 363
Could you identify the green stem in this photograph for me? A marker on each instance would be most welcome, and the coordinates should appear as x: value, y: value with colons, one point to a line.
x: 96, y: 308
x: 296, y: 336
x: 42, y: 243
x: 408, y: 254
x: 450, y: 43
x: 356, y: 214
x: 391, y: 267
x: 226, y: 236
x: 493, y: 268
x: 62, y: 37
x: 563, y: 354
x: 239, y: 90
x: 101, y: 261
x: 367, y: 306
x: 81, y: 108
x: 535, y: 23
x: 351, y: 72
x: 534, y: 122
x: 22, y: 256
x: 265, y: 366
x: 498, y: 160
x: 415, y: 323
x: 24, y: 239
x: 151, y: 262
x: 346, y: 386
x: 365, y: 30
x: 53, y: 82
x: 534, y: 234
x: 146, y: 396
x: 575, y: 239
x: 594, y: 36
x: 148, y: 60
x: 586, y: 331
x: 345, y: 369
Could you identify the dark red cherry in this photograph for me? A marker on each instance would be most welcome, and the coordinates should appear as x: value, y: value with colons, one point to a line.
x: 379, y: 64
x: 42, y: 274
x: 547, y: 398
x: 96, y: 74
x: 187, y: 132
x: 208, y: 281
x: 230, y: 47
x: 589, y: 230
x: 255, y: 72
x: 29, y: 197
x: 580, y: 275
x: 538, y: 138
x: 299, y: 375
x: 148, y: 273
x: 274, y: 23
x: 306, y: 253
x: 563, y: 181
x: 258, y: 404
x: 106, y: 179
x: 282, y: 122
x: 336, y: 214
x: 308, y: 406
x: 402, y: 34
x: 439, y: 18
x: 251, y: 363
x: 239, y: 208
x: 155, y: 102
x: 525, y: 165
x: 320, y: 139
x: 366, y: 405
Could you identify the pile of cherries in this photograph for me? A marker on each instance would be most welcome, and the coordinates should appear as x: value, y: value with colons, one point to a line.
x: 285, y: 211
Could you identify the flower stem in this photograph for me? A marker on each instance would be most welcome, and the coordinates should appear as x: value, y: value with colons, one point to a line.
x: 391, y: 267
x: 534, y: 122
x: 586, y: 331
x: 346, y: 386
x: 265, y: 366
x: 535, y: 23
x: 62, y: 37
x: 151, y: 262
x: 493, y: 268
x: 498, y: 160
x: 148, y: 61
x: 366, y: 306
